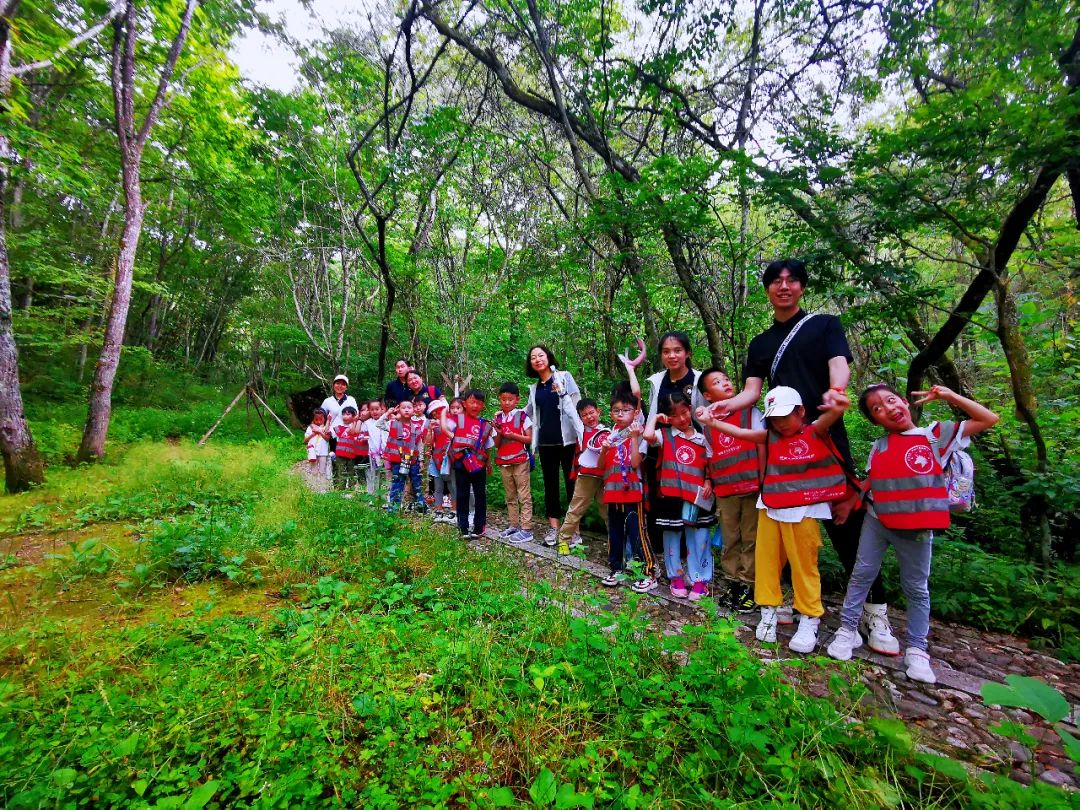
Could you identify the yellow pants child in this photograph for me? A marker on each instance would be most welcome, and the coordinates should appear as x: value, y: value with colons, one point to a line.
x: 797, y: 544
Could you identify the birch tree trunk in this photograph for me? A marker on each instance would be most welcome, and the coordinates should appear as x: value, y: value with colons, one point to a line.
x: 132, y: 142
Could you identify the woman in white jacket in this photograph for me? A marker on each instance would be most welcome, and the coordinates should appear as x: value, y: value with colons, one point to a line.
x: 552, y: 402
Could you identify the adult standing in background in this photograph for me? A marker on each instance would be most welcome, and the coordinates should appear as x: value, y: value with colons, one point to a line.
x: 397, y: 390
x: 813, y: 359
x: 414, y: 381
x: 338, y: 400
x: 552, y: 400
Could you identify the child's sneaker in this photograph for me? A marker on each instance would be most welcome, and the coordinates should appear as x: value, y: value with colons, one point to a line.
x: 611, y: 580
x: 646, y: 585
x: 784, y: 615
x: 699, y: 591
x: 805, y: 638
x: 508, y: 532
x: 918, y: 665
x: 551, y: 538
x: 575, y: 541
x: 844, y: 643
x: 740, y: 599
x: 446, y: 502
x: 520, y: 536
x: 879, y: 635
x: 678, y: 588
x: 766, y: 629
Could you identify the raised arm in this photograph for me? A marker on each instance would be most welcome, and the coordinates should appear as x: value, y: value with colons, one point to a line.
x: 832, y: 413
x: 757, y: 436
x: 980, y: 417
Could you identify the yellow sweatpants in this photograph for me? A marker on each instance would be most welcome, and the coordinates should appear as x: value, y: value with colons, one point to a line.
x: 797, y: 544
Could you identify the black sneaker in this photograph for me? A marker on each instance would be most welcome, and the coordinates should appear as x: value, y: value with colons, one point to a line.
x: 740, y: 599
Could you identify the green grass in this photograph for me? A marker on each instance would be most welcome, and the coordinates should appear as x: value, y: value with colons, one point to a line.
x: 230, y: 638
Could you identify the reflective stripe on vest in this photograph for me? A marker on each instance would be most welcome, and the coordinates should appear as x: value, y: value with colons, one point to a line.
x: 682, y: 467
x: 401, y: 439
x: 801, y: 470
x: 734, y: 465
x: 348, y: 446
x: 362, y: 442
x: 439, y: 445
x: 467, y: 436
x: 622, y: 483
x: 907, y: 484
x: 511, y: 451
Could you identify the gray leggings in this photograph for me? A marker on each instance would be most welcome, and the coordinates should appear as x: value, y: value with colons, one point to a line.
x: 445, y: 485
x: 914, y: 559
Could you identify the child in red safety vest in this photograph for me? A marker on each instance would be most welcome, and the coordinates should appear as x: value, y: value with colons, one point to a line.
x: 347, y: 451
x: 470, y: 457
x: 735, y: 471
x: 404, y: 443
x: 624, y: 492
x: 906, y: 500
x: 438, y: 446
x: 513, y: 437
x: 803, y: 476
x: 686, y: 499
x: 586, y: 473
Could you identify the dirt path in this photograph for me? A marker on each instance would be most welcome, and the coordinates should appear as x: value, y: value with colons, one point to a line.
x: 950, y: 716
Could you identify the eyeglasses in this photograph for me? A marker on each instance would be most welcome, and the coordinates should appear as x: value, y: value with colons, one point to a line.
x: 622, y: 411
x: 781, y: 281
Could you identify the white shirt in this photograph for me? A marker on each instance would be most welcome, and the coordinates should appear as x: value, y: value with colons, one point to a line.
x: 333, y: 409
x: 316, y: 442
x: 376, y: 438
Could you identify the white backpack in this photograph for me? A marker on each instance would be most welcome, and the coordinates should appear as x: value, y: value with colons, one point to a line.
x: 959, y: 476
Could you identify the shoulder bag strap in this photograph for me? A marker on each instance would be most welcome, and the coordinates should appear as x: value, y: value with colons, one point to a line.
x: 783, y: 346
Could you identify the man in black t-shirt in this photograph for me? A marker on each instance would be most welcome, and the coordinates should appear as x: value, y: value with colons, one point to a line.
x: 814, y: 362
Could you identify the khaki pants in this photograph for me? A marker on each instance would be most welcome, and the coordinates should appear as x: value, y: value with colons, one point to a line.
x: 587, y: 488
x: 798, y: 543
x: 515, y: 478
x: 738, y: 522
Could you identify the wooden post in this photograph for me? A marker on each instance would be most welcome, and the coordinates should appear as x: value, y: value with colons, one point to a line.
x: 260, y: 400
x: 221, y: 419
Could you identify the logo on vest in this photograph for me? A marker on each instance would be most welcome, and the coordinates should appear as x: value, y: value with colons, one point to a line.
x: 685, y: 454
x: 919, y: 459
x: 799, y: 448
x: 724, y: 440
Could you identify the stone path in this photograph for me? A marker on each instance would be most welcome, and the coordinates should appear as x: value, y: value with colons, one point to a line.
x: 950, y: 716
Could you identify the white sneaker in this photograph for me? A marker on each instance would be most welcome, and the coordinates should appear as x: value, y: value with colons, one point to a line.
x: 766, y: 629
x: 552, y: 537
x: 844, y: 643
x: 646, y: 585
x: 879, y: 635
x: 784, y: 615
x: 918, y: 665
x: 575, y: 541
x: 805, y: 638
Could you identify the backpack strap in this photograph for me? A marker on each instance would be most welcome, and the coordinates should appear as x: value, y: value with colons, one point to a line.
x: 783, y: 346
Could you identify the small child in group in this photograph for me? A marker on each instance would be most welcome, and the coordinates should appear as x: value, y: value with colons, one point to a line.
x: 624, y: 492
x: 438, y: 446
x: 347, y: 450
x: 470, y: 442
x: 318, y: 447
x: 376, y: 444
x: 906, y: 500
x: 402, y: 451
x: 586, y: 472
x: 803, y: 476
x: 686, y: 499
x: 363, y: 455
x: 420, y: 423
x: 513, y: 436
x: 735, y: 472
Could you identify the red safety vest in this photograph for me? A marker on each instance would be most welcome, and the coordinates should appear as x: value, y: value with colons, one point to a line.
x: 440, y: 443
x: 511, y: 451
x: 682, y: 467
x: 592, y: 465
x: 362, y: 442
x: 734, y: 465
x: 622, y: 483
x: 907, y: 484
x: 399, y: 440
x: 470, y: 435
x: 801, y: 470
x: 348, y: 446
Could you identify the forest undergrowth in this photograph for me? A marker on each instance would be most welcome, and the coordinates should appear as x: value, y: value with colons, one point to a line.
x: 188, y: 627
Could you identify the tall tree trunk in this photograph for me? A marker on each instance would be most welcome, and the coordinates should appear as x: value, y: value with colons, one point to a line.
x: 132, y: 140
x: 22, y: 462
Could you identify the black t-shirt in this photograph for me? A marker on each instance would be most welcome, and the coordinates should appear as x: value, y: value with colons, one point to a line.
x: 684, y: 385
x: 548, y: 418
x: 805, y: 363
x: 398, y: 391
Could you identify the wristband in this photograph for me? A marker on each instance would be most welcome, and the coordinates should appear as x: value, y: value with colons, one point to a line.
x: 839, y: 388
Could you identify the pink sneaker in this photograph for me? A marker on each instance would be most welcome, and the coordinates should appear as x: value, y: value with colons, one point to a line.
x: 678, y: 588
x: 699, y: 590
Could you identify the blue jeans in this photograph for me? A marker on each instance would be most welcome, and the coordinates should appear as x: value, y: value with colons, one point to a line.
x: 397, y: 486
x: 476, y: 485
x: 914, y: 559
x: 624, y: 527
x: 699, y: 561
